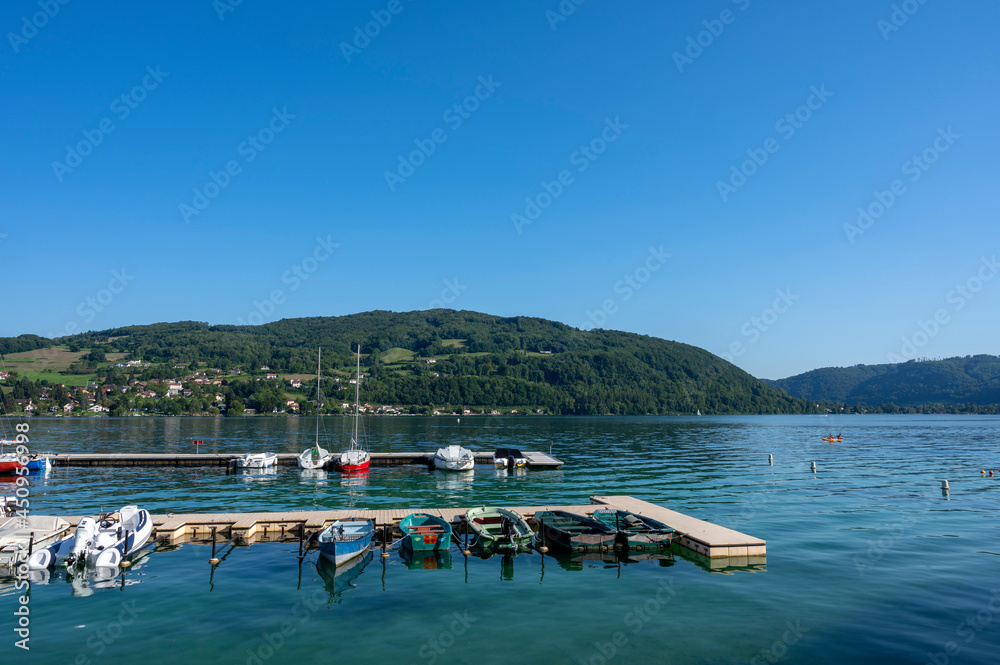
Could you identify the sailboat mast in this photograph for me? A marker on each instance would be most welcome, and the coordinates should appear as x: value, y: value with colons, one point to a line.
x: 319, y: 393
x: 357, y: 396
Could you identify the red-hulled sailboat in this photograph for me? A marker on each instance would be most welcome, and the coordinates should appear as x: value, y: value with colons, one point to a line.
x: 355, y: 459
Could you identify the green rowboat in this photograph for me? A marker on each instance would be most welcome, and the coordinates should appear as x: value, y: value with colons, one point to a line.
x: 499, y: 529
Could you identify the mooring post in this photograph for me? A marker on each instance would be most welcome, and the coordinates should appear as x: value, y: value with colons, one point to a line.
x: 214, y: 560
x: 302, y: 528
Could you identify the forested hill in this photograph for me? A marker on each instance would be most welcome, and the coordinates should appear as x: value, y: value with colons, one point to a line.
x: 968, y: 380
x: 451, y: 358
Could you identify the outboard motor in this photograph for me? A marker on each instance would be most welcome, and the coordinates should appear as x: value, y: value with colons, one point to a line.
x: 84, y: 536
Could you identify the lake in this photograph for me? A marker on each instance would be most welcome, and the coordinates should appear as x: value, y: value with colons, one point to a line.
x: 868, y: 560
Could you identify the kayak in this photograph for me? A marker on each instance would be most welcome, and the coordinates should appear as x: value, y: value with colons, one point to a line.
x: 833, y: 439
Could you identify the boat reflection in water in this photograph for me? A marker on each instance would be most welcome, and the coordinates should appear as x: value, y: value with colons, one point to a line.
x: 504, y: 472
x: 453, y: 481
x: 249, y: 475
x: 313, y: 474
x: 338, y: 579
x: 426, y: 559
x: 577, y: 561
x: 354, y: 479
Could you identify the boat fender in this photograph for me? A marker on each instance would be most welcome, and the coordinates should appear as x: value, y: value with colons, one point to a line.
x: 40, y: 560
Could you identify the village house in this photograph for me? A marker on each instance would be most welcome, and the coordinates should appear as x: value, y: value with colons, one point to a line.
x: 295, y: 383
x: 271, y: 375
x: 173, y: 389
x: 291, y: 405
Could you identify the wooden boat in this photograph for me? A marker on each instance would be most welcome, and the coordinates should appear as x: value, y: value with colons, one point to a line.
x: 104, y: 542
x: 345, y: 539
x: 454, y: 458
x: 509, y: 458
x: 23, y: 537
x: 355, y: 458
x: 636, y: 533
x: 257, y: 460
x: 574, y: 532
x: 316, y: 457
x: 425, y: 532
x: 499, y: 529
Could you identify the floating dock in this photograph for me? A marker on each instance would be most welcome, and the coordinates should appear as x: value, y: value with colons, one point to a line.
x: 536, y: 460
x: 723, y: 547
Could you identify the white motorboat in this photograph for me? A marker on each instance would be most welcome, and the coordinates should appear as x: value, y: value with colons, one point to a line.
x: 316, y: 457
x: 110, y: 538
x: 454, y: 458
x: 509, y: 458
x: 22, y: 537
x: 257, y: 460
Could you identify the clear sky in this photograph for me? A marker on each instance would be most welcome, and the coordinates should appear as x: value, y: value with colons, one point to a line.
x: 248, y: 162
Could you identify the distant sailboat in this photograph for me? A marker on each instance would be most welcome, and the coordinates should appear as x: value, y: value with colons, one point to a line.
x: 699, y: 412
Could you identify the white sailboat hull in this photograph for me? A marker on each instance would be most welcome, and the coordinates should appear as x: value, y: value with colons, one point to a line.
x: 314, y: 458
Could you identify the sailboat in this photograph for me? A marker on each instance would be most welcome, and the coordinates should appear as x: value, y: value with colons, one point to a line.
x: 355, y: 458
x: 316, y: 457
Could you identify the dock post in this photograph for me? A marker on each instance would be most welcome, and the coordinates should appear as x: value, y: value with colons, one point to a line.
x: 124, y: 563
x: 386, y: 535
x: 214, y: 560
x: 465, y: 548
x: 31, y: 543
x: 302, y: 528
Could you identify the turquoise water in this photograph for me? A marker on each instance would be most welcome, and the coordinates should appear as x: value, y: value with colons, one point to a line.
x: 867, y: 560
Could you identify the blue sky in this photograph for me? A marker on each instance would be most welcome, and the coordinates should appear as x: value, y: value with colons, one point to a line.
x: 613, y: 121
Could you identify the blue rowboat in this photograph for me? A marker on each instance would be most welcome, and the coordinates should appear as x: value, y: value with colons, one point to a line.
x: 422, y: 531
x: 345, y: 539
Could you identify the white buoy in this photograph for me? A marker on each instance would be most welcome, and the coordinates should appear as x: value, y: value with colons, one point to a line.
x: 770, y: 460
x: 944, y: 486
x: 814, y: 467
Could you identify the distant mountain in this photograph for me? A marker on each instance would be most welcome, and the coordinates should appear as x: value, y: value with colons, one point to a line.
x: 441, y: 357
x: 968, y: 380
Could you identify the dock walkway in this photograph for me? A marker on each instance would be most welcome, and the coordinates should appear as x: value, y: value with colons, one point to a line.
x: 536, y: 460
x: 704, y: 538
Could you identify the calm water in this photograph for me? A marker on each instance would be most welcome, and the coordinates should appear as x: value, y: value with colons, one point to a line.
x: 867, y: 560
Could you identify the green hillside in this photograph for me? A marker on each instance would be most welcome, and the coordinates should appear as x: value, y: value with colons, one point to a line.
x: 479, y: 361
x: 968, y: 380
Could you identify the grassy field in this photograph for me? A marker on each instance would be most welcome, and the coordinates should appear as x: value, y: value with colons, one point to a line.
x: 454, y: 342
x: 54, y: 377
x: 396, y: 355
